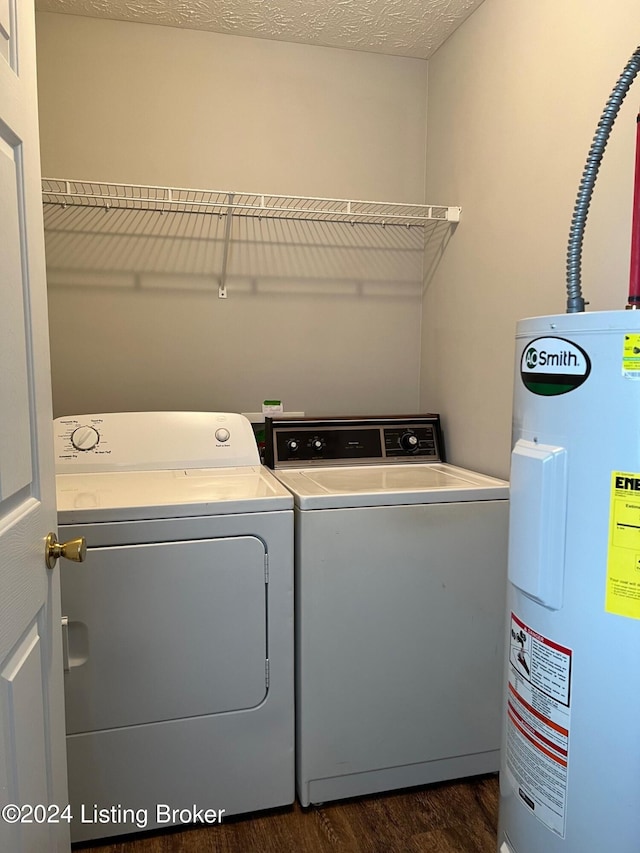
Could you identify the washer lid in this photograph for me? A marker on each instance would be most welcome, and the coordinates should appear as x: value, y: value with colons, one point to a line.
x: 135, y: 495
x: 389, y: 485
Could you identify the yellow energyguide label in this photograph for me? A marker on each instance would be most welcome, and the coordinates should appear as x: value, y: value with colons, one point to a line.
x: 631, y: 356
x: 623, y: 558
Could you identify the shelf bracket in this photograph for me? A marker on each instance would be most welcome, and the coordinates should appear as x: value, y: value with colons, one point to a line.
x: 222, y: 286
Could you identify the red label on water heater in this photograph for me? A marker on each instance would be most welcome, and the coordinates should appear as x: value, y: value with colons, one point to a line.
x: 538, y: 717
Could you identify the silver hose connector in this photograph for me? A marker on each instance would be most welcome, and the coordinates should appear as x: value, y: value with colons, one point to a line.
x: 575, y: 301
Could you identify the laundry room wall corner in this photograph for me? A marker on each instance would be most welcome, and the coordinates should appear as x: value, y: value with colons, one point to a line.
x: 514, y: 97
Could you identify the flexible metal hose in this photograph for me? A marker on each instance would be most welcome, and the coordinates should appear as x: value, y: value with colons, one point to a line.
x: 575, y: 301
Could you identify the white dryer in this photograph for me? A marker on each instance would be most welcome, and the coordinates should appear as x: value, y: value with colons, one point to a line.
x: 400, y: 578
x: 179, y: 643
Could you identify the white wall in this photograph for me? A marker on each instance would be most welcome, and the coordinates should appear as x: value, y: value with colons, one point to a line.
x: 514, y: 97
x: 326, y: 318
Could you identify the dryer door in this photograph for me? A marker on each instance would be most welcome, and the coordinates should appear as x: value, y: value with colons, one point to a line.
x: 165, y: 631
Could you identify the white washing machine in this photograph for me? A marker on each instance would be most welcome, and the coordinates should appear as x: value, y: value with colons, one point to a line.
x: 400, y: 577
x: 179, y: 647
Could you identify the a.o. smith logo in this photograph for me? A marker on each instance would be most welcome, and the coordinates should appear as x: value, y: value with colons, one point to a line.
x: 552, y: 366
x: 541, y: 358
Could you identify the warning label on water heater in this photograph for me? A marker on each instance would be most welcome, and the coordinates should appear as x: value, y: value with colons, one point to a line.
x: 538, y: 716
x: 631, y: 356
x: 623, y: 558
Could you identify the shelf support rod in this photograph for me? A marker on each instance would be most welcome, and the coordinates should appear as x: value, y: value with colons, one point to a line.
x: 222, y: 287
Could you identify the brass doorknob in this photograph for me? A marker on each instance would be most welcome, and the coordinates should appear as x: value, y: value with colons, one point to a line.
x: 74, y: 549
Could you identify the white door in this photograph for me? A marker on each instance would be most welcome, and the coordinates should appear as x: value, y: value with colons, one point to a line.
x: 32, y: 745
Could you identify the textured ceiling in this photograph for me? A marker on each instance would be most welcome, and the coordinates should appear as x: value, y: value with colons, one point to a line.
x: 400, y: 27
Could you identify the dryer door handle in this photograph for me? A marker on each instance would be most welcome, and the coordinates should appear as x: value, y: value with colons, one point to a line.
x: 65, y: 644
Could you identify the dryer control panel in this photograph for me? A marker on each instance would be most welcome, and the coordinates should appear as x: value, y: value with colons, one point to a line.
x: 303, y: 442
x: 143, y: 441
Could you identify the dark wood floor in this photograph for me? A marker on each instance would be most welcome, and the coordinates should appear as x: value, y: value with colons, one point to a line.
x: 458, y: 817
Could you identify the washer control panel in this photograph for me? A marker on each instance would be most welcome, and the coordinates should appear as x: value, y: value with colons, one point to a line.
x: 153, y: 440
x: 379, y: 440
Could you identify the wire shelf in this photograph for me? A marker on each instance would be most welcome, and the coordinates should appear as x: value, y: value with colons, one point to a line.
x: 64, y: 192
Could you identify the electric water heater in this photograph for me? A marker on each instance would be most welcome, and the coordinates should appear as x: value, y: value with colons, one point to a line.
x: 570, y: 760
x: 570, y: 774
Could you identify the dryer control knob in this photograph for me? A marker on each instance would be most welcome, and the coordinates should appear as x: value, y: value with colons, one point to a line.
x: 293, y: 445
x: 223, y: 434
x: 317, y: 444
x: 409, y: 441
x: 85, y: 438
